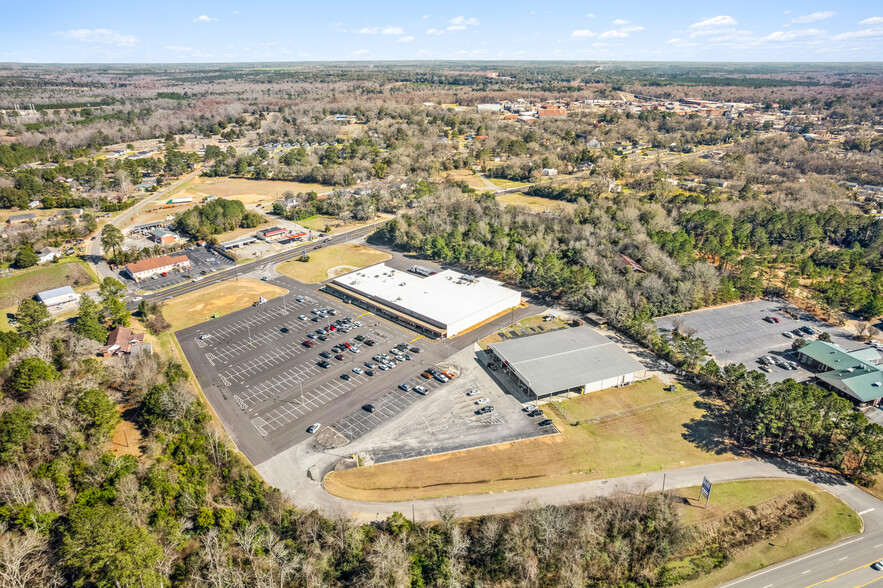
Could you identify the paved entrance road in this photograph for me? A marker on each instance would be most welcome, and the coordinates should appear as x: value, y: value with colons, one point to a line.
x: 845, y: 564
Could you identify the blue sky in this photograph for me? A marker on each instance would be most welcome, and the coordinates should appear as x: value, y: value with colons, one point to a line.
x: 265, y: 30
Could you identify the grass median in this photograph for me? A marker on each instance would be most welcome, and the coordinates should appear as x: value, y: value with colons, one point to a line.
x: 612, y: 433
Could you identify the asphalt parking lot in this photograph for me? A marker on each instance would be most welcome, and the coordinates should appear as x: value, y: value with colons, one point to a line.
x: 202, y: 263
x: 738, y: 333
x: 268, y: 387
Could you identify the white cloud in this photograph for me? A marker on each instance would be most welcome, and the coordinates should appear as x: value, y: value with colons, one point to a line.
x: 369, y: 30
x: 822, y: 15
x: 715, y: 21
x: 872, y: 20
x: 392, y: 31
x: 435, y: 32
x: 361, y: 52
x: 425, y: 16
x: 235, y: 12
x: 631, y: 29
x: 582, y: 34
x: 620, y: 22
x: 859, y: 34
x: 455, y: 28
x: 613, y: 35
x: 791, y: 35
x: 178, y: 48
x: 590, y: 15
x: 203, y: 18
x: 407, y: 39
x: 100, y: 36
x: 462, y: 20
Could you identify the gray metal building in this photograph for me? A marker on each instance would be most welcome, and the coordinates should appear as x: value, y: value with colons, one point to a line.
x: 577, y: 360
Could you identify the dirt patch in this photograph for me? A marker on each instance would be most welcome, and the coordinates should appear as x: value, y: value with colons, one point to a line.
x: 339, y: 270
x: 127, y: 437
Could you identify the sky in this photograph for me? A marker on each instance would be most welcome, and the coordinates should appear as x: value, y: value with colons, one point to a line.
x: 184, y: 31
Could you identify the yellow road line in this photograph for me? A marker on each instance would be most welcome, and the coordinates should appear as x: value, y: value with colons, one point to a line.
x: 363, y: 314
x: 412, y: 340
x: 844, y: 573
x: 871, y: 582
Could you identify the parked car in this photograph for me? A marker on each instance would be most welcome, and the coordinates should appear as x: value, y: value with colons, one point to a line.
x: 326, y: 354
x: 482, y: 401
x: 369, y: 365
x: 308, y: 343
x: 345, y: 377
x: 302, y: 317
x: 420, y: 390
x: 545, y: 423
x: 313, y: 428
x: 358, y: 371
x: 204, y: 336
x: 369, y: 373
x: 368, y: 407
x: 324, y: 364
x: 529, y: 408
x: 473, y: 392
x: 404, y: 387
x: 535, y: 413
x: 300, y: 298
x: 485, y: 410
x: 338, y: 357
x: 789, y: 334
x: 415, y: 350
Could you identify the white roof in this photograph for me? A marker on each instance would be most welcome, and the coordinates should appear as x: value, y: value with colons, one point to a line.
x: 444, y: 299
x: 64, y: 291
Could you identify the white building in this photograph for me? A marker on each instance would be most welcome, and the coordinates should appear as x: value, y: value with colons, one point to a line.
x: 58, y: 297
x: 442, y: 305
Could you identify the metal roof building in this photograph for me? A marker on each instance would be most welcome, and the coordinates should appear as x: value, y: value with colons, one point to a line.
x: 854, y: 373
x: 576, y: 360
x: 442, y: 305
x: 58, y: 296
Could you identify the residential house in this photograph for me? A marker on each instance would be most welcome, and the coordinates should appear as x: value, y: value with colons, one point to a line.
x: 124, y: 341
x: 48, y: 254
x: 20, y: 219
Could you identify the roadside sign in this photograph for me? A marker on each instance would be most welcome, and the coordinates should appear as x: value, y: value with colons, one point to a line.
x: 706, y: 487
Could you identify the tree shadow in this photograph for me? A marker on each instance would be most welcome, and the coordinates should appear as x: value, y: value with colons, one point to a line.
x: 708, y: 432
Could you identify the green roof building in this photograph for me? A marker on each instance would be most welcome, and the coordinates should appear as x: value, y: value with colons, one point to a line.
x: 854, y: 373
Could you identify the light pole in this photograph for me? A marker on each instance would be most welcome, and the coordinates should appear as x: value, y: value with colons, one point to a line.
x: 301, y: 382
x: 250, y: 342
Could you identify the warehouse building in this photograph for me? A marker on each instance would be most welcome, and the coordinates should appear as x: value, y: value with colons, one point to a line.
x: 162, y: 236
x: 141, y: 270
x: 237, y: 243
x: 856, y: 374
x: 58, y: 297
x: 442, y: 305
x: 577, y: 360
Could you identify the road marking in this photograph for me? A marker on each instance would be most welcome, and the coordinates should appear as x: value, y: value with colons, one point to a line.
x: 412, y: 340
x: 842, y: 558
x: 842, y: 573
x: 871, y: 582
x: 363, y: 314
x: 878, y: 545
x: 865, y: 511
x: 806, y: 572
x: 814, y: 554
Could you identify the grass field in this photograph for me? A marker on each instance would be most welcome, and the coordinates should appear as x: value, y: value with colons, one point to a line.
x: 344, y: 256
x: 831, y: 521
x: 221, y: 298
x: 26, y: 283
x: 464, y: 175
x: 639, y: 428
x: 505, y: 184
x: 319, y: 222
x: 249, y: 192
x: 525, y: 323
x: 534, y: 203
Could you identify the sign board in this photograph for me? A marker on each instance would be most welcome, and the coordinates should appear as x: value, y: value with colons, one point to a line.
x: 706, y: 487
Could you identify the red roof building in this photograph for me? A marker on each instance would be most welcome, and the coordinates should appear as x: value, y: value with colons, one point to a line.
x: 552, y: 113
x: 157, y: 265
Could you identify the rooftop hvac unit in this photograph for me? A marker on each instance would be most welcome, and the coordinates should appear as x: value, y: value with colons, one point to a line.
x: 877, y: 384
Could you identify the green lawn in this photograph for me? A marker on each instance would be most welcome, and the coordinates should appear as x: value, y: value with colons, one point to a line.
x: 26, y: 283
x: 502, y: 183
x: 831, y: 521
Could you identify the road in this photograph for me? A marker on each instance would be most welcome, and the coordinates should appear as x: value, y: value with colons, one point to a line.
x: 843, y: 564
x: 93, y: 248
x: 352, y: 235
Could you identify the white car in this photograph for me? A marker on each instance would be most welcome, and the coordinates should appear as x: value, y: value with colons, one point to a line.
x: 302, y: 317
x: 482, y: 401
x: 419, y: 389
x: 789, y: 334
x: 473, y: 392
x: 529, y: 408
x: 358, y: 370
x: 383, y: 367
x: 205, y: 336
x: 313, y: 428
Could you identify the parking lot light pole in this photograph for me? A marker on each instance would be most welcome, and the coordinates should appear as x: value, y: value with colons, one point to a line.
x: 301, y: 382
x: 250, y: 342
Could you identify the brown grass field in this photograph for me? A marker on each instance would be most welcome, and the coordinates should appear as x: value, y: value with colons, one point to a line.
x: 345, y: 256
x: 640, y: 428
x: 249, y: 192
x: 533, y: 203
x: 221, y: 298
x: 26, y: 283
x: 528, y: 321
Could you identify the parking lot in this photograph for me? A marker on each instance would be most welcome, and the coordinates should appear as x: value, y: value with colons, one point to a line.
x: 746, y: 332
x: 268, y: 386
x: 202, y: 263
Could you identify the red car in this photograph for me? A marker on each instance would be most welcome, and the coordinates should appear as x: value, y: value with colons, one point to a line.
x: 338, y: 357
x: 307, y: 343
x: 165, y: 274
x: 347, y: 345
